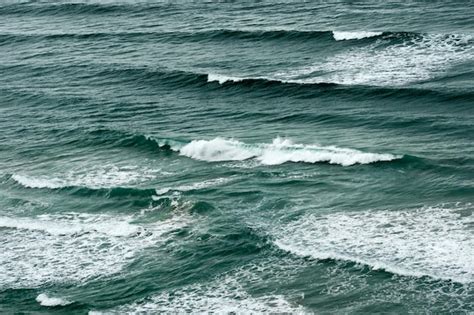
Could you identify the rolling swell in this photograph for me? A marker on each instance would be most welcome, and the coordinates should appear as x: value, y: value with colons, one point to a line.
x: 278, y: 87
x: 275, y: 87
x: 222, y: 35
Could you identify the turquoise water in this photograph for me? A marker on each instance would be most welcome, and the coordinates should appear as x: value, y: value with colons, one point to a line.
x: 236, y: 157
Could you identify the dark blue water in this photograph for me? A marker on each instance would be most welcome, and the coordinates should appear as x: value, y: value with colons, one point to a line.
x: 236, y: 157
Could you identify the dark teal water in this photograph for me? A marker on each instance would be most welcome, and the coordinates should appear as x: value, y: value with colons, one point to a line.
x: 236, y: 157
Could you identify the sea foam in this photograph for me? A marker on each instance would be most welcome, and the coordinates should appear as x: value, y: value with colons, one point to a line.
x: 73, y: 247
x: 394, y: 60
x: 430, y: 241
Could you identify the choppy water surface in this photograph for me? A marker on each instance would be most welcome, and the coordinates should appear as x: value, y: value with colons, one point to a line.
x: 270, y: 157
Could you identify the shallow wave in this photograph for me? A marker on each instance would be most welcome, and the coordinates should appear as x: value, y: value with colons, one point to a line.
x: 278, y: 152
x: 74, y: 247
x: 430, y: 241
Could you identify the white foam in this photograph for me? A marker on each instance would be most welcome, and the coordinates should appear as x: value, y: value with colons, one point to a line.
x: 107, y: 176
x: 222, y: 78
x: 432, y: 241
x: 388, y: 62
x: 354, y: 35
x: 278, y: 152
x: 73, y: 247
x: 45, y: 300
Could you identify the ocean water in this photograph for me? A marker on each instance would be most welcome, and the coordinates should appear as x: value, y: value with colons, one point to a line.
x: 236, y: 157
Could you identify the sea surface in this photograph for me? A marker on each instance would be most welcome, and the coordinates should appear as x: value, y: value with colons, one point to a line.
x: 236, y: 157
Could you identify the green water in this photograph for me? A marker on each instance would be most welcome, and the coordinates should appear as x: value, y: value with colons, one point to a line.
x: 236, y: 157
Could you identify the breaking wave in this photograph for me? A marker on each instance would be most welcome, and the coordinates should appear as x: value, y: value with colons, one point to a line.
x: 278, y: 152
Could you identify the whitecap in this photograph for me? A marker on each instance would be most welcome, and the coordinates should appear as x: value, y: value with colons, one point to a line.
x: 222, y: 78
x: 217, y: 149
x: 354, y: 35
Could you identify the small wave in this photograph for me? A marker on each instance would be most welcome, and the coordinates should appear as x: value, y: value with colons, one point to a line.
x: 278, y: 152
x: 354, y: 35
x: 45, y: 300
x: 431, y: 241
